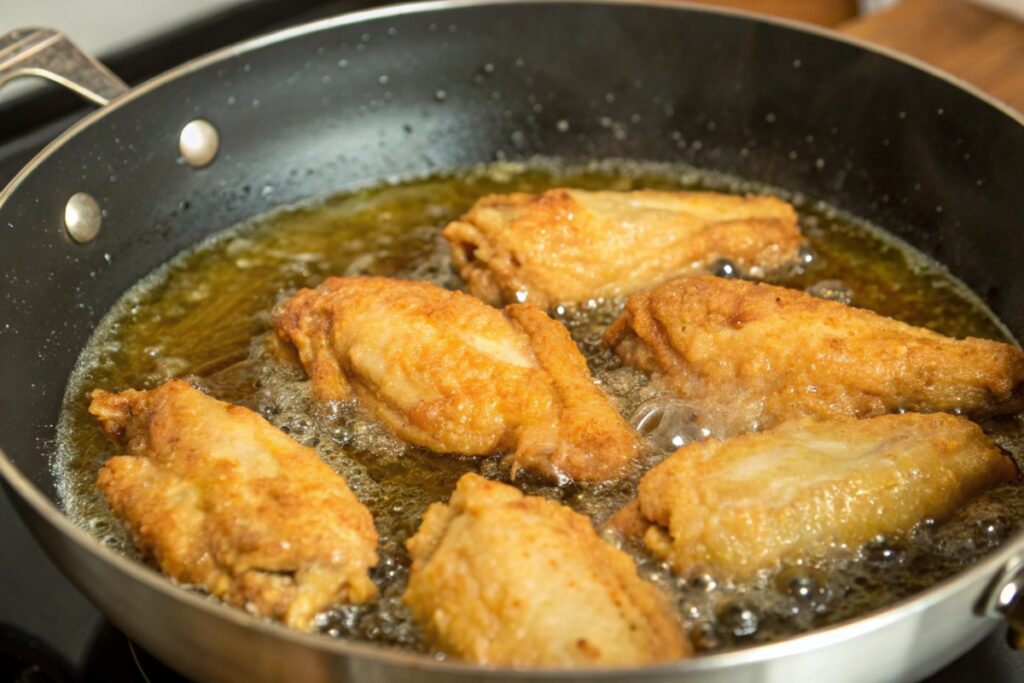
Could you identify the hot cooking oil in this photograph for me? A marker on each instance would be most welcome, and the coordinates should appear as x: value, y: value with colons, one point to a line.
x: 206, y: 315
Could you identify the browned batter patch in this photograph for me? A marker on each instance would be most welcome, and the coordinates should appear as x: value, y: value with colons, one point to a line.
x: 222, y: 499
x: 750, y: 356
x: 568, y: 246
x: 506, y: 579
x: 807, y: 489
x: 447, y: 372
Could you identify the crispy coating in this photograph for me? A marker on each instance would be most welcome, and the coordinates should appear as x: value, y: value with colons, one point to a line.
x: 568, y: 246
x: 750, y: 356
x: 501, y: 578
x: 806, y: 488
x: 222, y: 499
x: 447, y: 372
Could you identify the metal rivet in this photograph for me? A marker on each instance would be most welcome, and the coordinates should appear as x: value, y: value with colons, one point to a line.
x: 1009, y: 593
x: 82, y: 217
x: 198, y: 143
x: 1007, y: 590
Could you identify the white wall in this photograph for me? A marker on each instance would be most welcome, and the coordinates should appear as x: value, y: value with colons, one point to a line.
x: 100, y: 26
x: 103, y: 26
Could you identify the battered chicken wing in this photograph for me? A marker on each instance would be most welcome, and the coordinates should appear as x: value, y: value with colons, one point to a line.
x: 806, y: 488
x: 750, y: 356
x: 568, y: 246
x: 506, y: 579
x: 223, y: 500
x: 454, y: 375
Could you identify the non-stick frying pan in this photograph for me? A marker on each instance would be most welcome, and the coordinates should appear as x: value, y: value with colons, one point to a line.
x: 414, y: 89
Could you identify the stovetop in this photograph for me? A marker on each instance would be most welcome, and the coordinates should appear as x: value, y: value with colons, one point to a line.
x: 48, y: 631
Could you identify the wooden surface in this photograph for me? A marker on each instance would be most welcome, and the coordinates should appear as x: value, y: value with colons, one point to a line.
x: 821, y: 12
x: 981, y: 46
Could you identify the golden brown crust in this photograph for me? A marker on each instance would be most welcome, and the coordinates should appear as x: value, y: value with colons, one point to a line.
x: 221, y: 499
x: 750, y: 356
x: 806, y: 489
x: 449, y: 373
x: 568, y: 246
x: 501, y: 578
x: 593, y: 442
x: 629, y: 522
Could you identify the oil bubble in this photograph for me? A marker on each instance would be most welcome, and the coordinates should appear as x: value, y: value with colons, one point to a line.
x: 806, y: 255
x: 806, y: 586
x: 738, y: 618
x: 668, y: 423
x: 881, y: 553
x: 831, y: 290
x: 724, y: 268
x: 702, y: 581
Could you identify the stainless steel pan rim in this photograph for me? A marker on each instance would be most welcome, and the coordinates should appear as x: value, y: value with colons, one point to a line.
x: 27, y: 492
x: 814, y: 640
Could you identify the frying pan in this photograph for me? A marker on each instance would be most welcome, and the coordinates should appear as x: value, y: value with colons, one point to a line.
x: 414, y: 89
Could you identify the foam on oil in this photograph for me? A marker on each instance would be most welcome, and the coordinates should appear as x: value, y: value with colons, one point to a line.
x: 206, y: 315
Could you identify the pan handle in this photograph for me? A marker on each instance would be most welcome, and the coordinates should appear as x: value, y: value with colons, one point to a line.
x: 46, y: 53
x: 1005, y: 600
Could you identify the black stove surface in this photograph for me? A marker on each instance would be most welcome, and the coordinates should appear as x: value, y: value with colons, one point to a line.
x: 49, y: 633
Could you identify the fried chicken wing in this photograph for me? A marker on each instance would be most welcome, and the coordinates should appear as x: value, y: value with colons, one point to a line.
x: 749, y: 356
x: 447, y: 372
x: 568, y: 246
x: 807, y: 488
x: 506, y: 579
x: 221, y: 499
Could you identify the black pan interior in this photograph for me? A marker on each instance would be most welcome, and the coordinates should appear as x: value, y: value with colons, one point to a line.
x: 408, y: 93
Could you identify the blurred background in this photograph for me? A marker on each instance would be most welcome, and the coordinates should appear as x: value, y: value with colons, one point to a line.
x: 48, y: 632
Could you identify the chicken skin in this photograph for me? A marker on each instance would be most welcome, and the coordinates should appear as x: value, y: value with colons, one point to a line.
x: 750, y: 356
x: 805, y: 489
x: 568, y: 246
x: 505, y: 579
x: 221, y: 499
x: 449, y: 373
